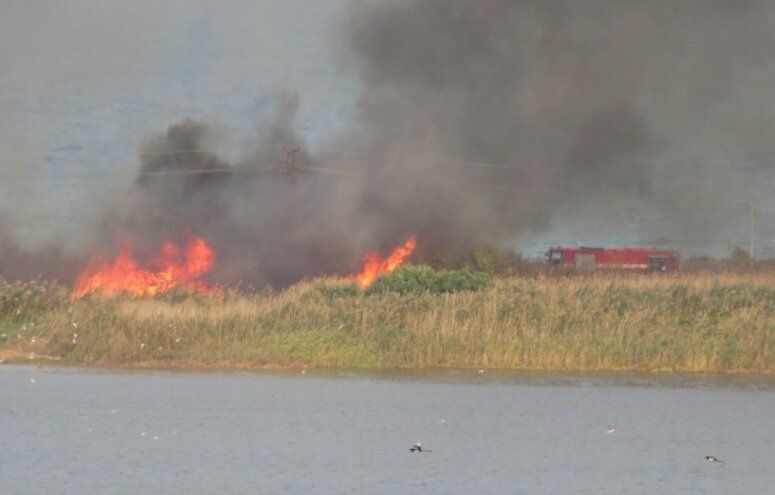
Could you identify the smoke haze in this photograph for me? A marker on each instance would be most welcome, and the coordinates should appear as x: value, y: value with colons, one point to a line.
x: 641, y: 106
x: 478, y: 121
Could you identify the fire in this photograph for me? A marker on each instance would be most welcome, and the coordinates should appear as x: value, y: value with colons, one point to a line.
x: 374, y: 265
x: 172, y: 267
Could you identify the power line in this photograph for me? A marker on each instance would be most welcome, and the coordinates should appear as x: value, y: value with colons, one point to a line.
x: 210, y: 171
x: 292, y: 169
x: 502, y: 166
x: 330, y: 151
x: 176, y: 152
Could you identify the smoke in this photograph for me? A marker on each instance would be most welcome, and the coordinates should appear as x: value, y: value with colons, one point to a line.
x: 600, y: 111
x: 268, y: 222
x: 480, y: 121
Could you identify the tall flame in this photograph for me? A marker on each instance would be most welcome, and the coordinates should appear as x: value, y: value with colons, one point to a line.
x: 374, y: 265
x: 172, y: 267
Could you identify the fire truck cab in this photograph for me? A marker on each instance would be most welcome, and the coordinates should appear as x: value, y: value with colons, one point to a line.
x: 622, y: 259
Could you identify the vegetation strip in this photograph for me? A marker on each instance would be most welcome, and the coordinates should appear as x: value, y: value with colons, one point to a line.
x: 698, y: 322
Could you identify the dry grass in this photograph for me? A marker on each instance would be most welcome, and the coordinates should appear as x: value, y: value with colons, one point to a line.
x: 696, y: 322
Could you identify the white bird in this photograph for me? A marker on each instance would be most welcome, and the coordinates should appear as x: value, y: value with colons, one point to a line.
x: 610, y: 430
x: 32, y: 380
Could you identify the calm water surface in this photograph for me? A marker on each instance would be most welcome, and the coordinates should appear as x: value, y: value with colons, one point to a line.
x: 73, y: 431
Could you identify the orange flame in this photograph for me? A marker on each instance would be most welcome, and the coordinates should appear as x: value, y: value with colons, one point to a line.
x: 172, y: 267
x: 374, y: 265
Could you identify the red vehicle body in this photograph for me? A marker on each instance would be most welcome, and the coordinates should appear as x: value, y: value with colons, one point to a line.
x: 624, y: 259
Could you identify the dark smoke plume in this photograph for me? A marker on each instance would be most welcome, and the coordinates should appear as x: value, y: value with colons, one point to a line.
x: 598, y: 110
x: 266, y: 223
x: 482, y: 121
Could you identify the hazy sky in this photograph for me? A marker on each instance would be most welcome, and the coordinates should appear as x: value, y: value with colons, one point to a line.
x: 83, y: 84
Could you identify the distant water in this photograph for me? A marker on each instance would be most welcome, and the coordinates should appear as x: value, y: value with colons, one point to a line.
x: 80, y: 432
x: 76, y: 118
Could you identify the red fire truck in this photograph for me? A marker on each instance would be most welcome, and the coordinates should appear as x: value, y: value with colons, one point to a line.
x: 623, y: 259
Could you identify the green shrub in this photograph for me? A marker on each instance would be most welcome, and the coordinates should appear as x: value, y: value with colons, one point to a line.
x: 335, y: 290
x: 422, y: 278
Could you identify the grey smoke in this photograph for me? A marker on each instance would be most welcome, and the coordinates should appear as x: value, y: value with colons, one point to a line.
x: 266, y: 225
x: 647, y: 105
x: 483, y: 121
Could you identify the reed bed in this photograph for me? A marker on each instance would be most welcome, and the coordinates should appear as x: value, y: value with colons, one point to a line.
x: 693, y: 322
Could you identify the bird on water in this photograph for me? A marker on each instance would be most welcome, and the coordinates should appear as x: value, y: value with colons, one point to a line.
x: 710, y: 458
x: 418, y: 448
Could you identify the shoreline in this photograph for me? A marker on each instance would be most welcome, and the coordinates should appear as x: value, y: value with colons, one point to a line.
x: 670, y: 379
x: 15, y: 358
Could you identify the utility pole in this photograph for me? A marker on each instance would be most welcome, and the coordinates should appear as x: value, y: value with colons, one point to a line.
x: 752, y: 230
x: 290, y: 161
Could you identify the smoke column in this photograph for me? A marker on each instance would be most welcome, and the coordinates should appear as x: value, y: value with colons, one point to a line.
x: 597, y: 110
x: 480, y: 121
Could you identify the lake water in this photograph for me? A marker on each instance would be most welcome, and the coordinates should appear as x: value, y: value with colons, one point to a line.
x: 74, y: 431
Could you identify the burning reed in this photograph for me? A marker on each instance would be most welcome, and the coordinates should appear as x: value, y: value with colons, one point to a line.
x: 704, y: 322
